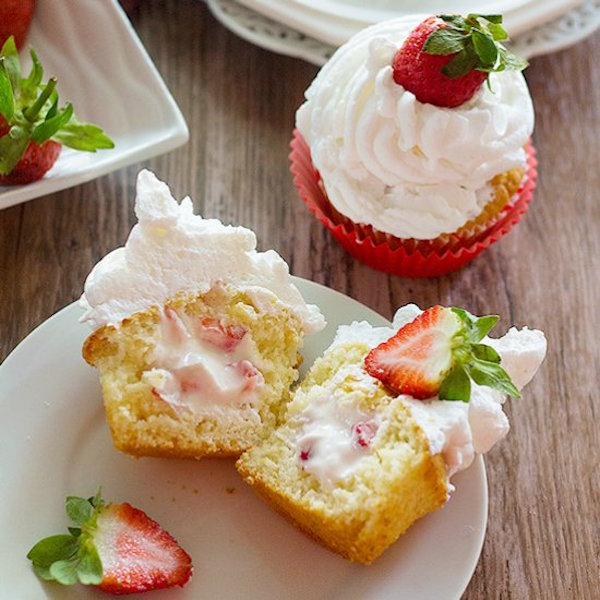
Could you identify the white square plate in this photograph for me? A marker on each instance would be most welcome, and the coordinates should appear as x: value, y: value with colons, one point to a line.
x: 103, y: 69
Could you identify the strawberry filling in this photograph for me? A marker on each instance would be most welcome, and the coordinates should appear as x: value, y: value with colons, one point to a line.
x: 363, y: 433
x: 200, y: 362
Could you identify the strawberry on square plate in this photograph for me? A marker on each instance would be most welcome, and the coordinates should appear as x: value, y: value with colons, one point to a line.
x: 93, y: 46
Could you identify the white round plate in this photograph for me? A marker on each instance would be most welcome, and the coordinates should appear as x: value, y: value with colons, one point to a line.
x: 279, y: 36
x: 334, y: 21
x: 55, y: 442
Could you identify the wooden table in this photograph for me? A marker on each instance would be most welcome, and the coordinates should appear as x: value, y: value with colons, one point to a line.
x: 543, y: 538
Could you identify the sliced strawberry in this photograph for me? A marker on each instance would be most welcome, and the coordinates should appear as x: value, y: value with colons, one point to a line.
x: 363, y: 433
x: 224, y: 337
x: 438, y: 353
x: 416, y: 360
x: 445, y: 59
x: 116, y: 547
x: 136, y: 554
x: 15, y: 19
x: 252, y: 376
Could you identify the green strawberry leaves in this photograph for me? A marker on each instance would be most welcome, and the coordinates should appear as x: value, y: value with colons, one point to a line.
x: 476, y: 45
x: 30, y: 111
x: 68, y: 559
x: 472, y: 360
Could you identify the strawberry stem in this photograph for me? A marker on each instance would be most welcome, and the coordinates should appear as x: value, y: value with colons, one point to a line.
x: 32, y: 112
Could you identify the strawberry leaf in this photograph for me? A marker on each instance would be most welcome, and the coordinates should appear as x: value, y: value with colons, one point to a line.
x: 11, y: 60
x: 83, y: 136
x: 89, y: 568
x: 464, y: 62
x: 456, y: 386
x: 65, y: 571
x: 45, y: 130
x: 7, y: 99
x: 445, y: 41
x: 475, y: 45
x: 496, y: 19
x: 485, y: 48
x: 79, y: 510
x: 12, y: 147
x: 30, y: 86
x: 53, y: 548
x: 485, y: 352
x: 498, y: 32
x: 491, y: 375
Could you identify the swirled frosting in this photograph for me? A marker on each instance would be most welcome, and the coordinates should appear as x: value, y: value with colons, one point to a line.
x: 410, y: 169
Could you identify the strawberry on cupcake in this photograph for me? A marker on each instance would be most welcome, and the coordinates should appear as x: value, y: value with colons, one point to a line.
x: 413, y: 144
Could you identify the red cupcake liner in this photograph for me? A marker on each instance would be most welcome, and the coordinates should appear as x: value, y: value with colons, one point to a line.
x: 408, y: 258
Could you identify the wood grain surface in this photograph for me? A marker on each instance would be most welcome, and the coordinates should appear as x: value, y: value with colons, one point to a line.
x: 543, y: 538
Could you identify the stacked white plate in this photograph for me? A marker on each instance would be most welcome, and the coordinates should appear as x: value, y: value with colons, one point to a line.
x: 312, y: 29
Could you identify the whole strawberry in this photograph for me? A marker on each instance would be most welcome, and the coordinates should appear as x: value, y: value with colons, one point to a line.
x: 33, y: 126
x: 15, y: 19
x: 438, y: 354
x: 446, y: 58
x: 116, y: 547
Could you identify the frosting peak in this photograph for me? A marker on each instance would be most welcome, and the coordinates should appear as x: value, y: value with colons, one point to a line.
x: 171, y: 250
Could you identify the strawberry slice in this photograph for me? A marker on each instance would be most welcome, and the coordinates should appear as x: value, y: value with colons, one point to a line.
x: 438, y: 354
x: 116, y: 547
x: 223, y: 337
x: 446, y: 58
x: 136, y: 554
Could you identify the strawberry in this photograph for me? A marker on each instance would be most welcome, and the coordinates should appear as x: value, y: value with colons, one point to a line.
x: 438, y: 353
x: 32, y: 125
x: 116, y: 547
x: 446, y: 58
x: 15, y: 18
x: 224, y: 337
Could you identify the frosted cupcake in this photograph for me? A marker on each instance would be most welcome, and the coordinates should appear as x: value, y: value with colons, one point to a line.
x: 413, y: 144
x: 196, y: 334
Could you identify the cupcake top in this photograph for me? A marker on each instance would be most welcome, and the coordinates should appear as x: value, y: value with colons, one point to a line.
x: 170, y: 250
x: 408, y: 168
x: 457, y: 430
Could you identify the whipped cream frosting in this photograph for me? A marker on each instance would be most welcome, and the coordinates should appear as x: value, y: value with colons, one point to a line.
x: 408, y: 168
x: 456, y: 430
x: 172, y: 250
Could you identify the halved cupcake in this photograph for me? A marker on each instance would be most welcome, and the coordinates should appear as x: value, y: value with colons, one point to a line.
x: 384, y: 419
x: 196, y: 334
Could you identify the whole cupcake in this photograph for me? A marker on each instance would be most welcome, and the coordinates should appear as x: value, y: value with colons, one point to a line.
x: 413, y: 144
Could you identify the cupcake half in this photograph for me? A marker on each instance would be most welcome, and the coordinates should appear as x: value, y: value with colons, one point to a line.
x: 197, y: 336
x: 356, y: 462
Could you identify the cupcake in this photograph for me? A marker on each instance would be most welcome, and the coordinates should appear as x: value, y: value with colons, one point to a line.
x: 196, y: 335
x: 412, y: 146
x: 384, y: 419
